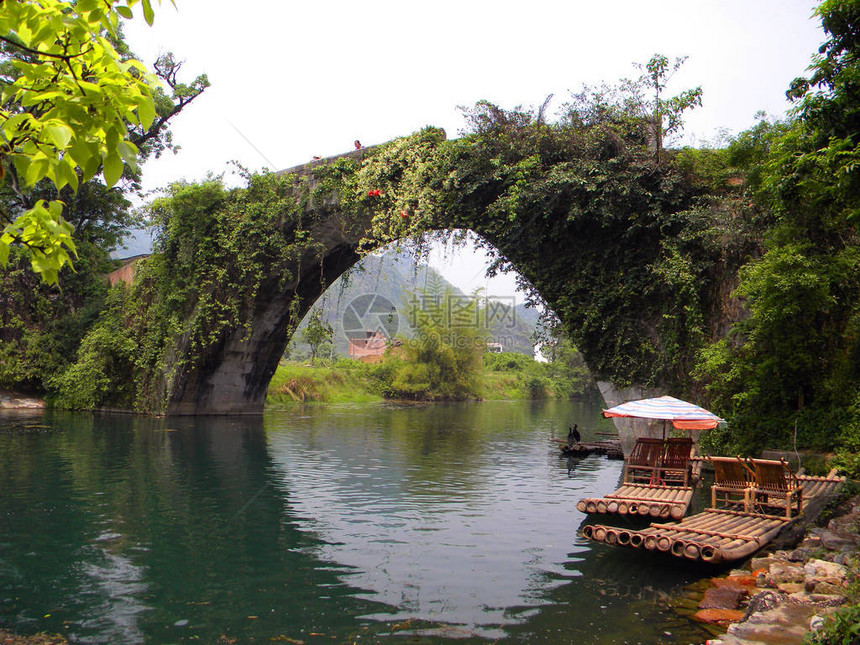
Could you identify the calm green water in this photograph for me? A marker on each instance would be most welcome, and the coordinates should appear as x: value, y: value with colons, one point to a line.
x: 327, y: 524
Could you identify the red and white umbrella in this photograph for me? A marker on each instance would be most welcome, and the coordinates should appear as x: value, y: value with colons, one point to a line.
x: 683, y: 415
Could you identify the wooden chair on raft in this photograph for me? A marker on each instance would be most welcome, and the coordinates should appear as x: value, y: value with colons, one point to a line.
x: 775, y: 486
x: 643, y: 464
x: 732, y: 482
x: 675, y: 463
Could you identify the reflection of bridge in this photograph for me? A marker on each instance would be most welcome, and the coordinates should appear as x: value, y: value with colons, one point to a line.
x: 536, y: 214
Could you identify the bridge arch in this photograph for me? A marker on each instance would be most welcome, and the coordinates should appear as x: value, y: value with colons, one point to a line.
x: 618, y: 244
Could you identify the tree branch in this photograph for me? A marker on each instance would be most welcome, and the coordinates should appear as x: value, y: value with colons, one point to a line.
x: 36, y: 52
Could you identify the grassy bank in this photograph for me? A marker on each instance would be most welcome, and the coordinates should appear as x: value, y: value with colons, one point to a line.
x: 341, y: 383
x: 504, y: 376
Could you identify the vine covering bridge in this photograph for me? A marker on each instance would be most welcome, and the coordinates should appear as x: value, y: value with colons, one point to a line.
x: 620, y: 244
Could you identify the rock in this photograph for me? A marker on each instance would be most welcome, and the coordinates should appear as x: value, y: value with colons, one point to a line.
x: 845, y: 526
x: 15, y: 401
x: 811, y: 542
x: 745, y: 581
x: 825, y: 569
x: 816, y: 622
x: 763, y: 601
x: 728, y: 639
x: 843, y: 558
x: 828, y: 588
x: 835, y: 542
x: 786, y: 624
x: 741, y: 584
x: 828, y: 600
x: 722, y: 598
x: 786, y: 572
x: 762, y: 563
x: 791, y: 587
x: 718, y: 615
x: 799, y: 555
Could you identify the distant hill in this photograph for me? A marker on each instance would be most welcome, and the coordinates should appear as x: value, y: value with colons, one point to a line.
x: 380, y: 293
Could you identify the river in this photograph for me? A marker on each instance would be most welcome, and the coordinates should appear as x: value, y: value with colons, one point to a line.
x: 320, y: 524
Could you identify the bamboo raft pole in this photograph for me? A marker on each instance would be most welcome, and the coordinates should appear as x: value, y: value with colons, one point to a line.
x: 716, y: 535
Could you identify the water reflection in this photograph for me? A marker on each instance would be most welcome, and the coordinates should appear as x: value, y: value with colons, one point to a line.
x: 322, y: 524
x: 463, y: 518
x: 121, y: 529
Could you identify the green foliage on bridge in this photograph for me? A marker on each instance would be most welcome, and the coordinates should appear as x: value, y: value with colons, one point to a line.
x: 214, y: 250
x: 630, y: 251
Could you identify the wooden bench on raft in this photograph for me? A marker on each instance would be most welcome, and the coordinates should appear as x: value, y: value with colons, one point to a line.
x: 742, y: 527
x: 656, y: 481
x: 762, y: 485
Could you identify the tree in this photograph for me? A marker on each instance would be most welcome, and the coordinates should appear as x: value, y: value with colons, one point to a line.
x: 444, y: 359
x: 793, y: 361
x: 636, y: 108
x: 665, y: 114
x: 317, y: 332
x: 41, y: 326
x: 67, y: 114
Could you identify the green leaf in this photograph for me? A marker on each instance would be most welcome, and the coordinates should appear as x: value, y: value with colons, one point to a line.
x: 91, y: 167
x: 22, y: 164
x: 128, y: 151
x: 112, y: 169
x: 146, y: 113
x: 148, y: 13
x: 125, y: 12
x: 15, y: 123
x: 60, y: 134
x: 38, y: 169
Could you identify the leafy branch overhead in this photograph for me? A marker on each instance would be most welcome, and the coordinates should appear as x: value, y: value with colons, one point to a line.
x: 67, y: 110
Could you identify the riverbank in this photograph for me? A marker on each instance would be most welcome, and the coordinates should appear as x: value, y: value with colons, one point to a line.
x: 16, y: 401
x: 503, y: 377
x: 805, y: 594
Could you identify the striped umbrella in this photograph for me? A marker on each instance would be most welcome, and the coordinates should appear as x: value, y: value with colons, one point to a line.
x: 683, y: 415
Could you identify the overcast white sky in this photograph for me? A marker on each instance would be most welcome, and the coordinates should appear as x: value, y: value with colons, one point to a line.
x: 293, y: 80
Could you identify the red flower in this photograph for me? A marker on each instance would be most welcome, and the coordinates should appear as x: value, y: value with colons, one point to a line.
x: 404, y: 214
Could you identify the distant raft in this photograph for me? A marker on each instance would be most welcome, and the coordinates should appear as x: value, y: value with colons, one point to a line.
x: 716, y: 535
x: 611, y: 448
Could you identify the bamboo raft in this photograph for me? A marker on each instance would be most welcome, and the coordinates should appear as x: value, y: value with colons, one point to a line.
x: 715, y: 535
x: 611, y: 448
x: 647, y: 499
x: 642, y: 499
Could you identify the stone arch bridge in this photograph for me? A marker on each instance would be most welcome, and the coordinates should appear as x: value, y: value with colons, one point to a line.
x: 605, y: 234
